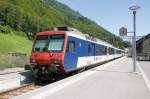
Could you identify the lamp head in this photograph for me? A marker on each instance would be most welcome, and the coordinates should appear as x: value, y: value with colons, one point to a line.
x: 134, y: 8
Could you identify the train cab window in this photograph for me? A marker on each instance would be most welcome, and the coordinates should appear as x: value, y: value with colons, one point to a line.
x: 71, y: 46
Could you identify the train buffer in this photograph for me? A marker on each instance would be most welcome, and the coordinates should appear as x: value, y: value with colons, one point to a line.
x: 113, y: 80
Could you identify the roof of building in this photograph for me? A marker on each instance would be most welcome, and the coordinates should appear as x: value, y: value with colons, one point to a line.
x: 143, y: 39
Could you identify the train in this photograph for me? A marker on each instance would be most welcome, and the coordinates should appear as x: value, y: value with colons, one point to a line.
x: 65, y: 50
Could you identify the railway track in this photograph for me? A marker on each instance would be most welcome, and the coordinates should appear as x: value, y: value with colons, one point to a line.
x: 18, y: 91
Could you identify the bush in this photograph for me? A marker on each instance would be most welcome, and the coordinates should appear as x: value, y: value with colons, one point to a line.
x: 5, y: 29
x: 8, y: 30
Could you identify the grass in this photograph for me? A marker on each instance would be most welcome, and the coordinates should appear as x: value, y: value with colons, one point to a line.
x: 14, y: 43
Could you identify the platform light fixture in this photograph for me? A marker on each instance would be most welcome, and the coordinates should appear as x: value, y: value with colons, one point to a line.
x: 134, y: 9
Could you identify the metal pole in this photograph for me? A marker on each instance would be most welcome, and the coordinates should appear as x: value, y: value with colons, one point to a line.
x: 134, y: 41
x: 134, y: 9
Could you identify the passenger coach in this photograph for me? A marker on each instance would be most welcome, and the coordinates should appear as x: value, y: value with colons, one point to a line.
x: 65, y: 50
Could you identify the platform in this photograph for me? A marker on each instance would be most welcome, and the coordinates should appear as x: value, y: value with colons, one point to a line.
x: 146, y: 67
x: 113, y: 80
x: 10, y: 79
x: 11, y: 70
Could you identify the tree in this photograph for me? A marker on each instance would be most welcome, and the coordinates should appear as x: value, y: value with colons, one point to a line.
x: 127, y: 44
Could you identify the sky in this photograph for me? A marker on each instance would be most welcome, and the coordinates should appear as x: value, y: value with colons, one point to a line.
x: 113, y: 14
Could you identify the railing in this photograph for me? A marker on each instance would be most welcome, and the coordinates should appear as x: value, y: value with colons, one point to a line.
x: 143, y: 56
x: 11, y: 60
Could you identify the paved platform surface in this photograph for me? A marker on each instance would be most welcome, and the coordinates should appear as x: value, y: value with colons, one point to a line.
x: 145, y: 65
x: 113, y: 80
x: 11, y: 70
x: 10, y: 79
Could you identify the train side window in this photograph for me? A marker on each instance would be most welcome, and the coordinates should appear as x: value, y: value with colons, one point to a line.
x: 111, y: 51
x: 89, y: 49
x: 71, y: 46
x: 102, y: 50
x: 98, y: 50
x: 105, y: 48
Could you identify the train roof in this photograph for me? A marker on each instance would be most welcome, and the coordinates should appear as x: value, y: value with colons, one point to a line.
x: 86, y: 37
x: 76, y: 33
x: 80, y: 35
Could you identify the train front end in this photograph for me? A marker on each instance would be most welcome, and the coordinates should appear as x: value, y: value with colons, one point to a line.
x: 47, y: 54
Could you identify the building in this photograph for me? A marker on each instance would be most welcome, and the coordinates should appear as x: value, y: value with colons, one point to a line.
x: 143, y: 45
x: 123, y: 31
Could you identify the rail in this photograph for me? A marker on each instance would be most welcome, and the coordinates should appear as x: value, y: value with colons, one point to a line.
x: 18, y: 91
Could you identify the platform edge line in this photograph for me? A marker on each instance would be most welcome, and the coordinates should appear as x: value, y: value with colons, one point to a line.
x: 147, y: 82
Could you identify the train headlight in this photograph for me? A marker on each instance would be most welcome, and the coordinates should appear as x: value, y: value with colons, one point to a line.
x: 56, y: 61
x: 33, y: 61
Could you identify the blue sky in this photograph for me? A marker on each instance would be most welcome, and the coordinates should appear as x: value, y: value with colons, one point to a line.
x: 113, y: 14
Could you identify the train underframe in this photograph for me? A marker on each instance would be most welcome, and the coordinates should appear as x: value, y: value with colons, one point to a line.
x: 45, y: 72
x: 50, y: 72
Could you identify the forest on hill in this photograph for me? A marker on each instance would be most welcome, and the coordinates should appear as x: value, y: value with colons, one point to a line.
x: 32, y: 16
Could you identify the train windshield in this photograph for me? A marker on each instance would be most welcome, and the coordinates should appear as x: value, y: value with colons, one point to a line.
x: 53, y: 43
x: 56, y: 42
x: 40, y: 43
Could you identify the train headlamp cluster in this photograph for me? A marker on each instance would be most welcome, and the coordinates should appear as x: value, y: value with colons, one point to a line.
x: 33, y: 61
x: 56, y: 61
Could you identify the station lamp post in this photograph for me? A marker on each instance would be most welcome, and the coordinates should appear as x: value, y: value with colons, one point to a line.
x: 134, y: 9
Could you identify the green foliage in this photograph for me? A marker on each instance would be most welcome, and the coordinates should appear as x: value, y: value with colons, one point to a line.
x: 127, y: 44
x: 31, y: 16
x: 5, y: 29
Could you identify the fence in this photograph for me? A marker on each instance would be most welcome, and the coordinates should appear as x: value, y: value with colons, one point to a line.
x: 11, y: 60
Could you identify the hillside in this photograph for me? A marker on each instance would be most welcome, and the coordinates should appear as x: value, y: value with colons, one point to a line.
x: 13, y: 41
x: 31, y: 16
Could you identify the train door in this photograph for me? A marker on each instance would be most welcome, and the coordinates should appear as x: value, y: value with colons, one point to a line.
x: 70, y: 58
x: 93, y: 52
x: 106, y: 53
x: 115, y: 54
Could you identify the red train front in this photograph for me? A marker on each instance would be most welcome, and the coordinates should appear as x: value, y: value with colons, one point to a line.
x: 48, y: 54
